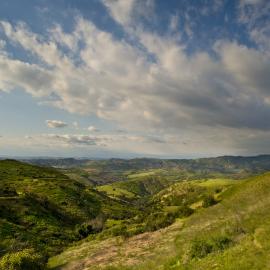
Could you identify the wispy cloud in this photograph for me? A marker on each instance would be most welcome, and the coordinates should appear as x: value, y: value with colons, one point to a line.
x: 125, y: 12
x: 56, y: 124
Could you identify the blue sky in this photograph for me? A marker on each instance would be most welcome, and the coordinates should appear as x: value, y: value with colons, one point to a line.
x: 127, y: 78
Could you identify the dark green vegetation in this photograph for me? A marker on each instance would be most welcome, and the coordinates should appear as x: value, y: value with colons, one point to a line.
x: 25, y: 259
x: 43, y: 209
x: 135, y: 214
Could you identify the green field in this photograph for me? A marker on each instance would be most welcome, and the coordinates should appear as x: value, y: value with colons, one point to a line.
x: 215, y: 182
x: 115, y: 192
x: 143, y: 174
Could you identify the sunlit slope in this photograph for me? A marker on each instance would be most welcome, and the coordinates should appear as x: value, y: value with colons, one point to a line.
x: 232, y: 234
x: 136, y: 187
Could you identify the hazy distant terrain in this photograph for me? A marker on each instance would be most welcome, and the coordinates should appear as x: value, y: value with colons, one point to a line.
x: 110, y: 170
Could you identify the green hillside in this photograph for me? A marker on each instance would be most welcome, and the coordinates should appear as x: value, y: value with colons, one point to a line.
x: 232, y: 233
x: 43, y: 209
x: 136, y: 187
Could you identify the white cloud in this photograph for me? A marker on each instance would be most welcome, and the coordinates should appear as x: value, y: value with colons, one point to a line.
x: 152, y: 86
x: 254, y: 15
x: 121, y: 10
x: 56, y: 124
x: 76, y: 125
x: 2, y: 47
x: 117, y: 81
x: 74, y: 139
x: 92, y: 129
x: 174, y: 23
x: 126, y: 12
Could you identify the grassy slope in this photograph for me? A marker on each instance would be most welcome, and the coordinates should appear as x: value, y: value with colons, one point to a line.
x: 138, y: 185
x: 40, y: 207
x: 242, y: 218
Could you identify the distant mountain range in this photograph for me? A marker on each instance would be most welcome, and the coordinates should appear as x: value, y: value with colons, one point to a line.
x: 223, y: 164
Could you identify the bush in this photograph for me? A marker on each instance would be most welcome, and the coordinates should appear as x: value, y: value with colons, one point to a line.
x: 22, y: 260
x: 184, y: 211
x: 159, y: 220
x: 8, y: 192
x: 83, y: 230
x: 94, y: 226
x: 209, y: 201
x: 202, y: 247
x: 119, y: 230
x: 221, y: 243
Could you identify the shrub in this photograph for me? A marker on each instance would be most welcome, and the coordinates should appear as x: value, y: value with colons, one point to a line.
x: 202, y: 247
x: 84, y: 230
x: 209, y: 201
x: 119, y: 230
x: 8, y: 191
x: 221, y: 242
x: 184, y: 211
x: 94, y: 226
x: 26, y: 259
x: 159, y: 220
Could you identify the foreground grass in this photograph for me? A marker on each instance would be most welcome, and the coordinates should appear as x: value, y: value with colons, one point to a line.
x: 126, y: 251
